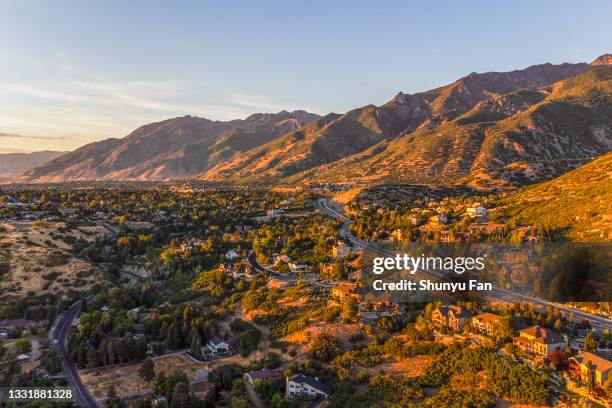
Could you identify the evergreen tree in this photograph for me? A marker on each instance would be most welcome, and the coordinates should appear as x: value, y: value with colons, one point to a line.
x: 147, y: 370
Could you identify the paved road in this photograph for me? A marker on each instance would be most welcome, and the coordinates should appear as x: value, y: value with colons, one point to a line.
x: 252, y: 258
x: 58, y: 335
x: 598, y: 322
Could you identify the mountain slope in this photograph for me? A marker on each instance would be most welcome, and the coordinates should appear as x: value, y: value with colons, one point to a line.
x: 341, y: 136
x: 14, y: 164
x: 509, y: 140
x: 174, y: 148
x: 579, y: 203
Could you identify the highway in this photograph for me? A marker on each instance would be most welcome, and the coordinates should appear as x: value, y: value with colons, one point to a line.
x: 58, y: 335
x: 598, y: 322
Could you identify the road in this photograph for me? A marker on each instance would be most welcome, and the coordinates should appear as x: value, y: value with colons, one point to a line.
x: 598, y: 322
x: 58, y: 336
x: 252, y: 258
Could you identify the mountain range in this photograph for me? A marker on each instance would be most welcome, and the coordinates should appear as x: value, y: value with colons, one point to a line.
x: 174, y: 148
x: 487, y: 130
x: 15, y: 164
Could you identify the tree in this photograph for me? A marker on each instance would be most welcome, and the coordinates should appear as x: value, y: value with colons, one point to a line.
x: 590, y: 376
x: 590, y: 344
x: 349, y: 309
x: 23, y: 346
x: 558, y: 358
x: 147, y: 370
x: 181, y: 398
x: 325, y: 347
x: 196, y: 346
x: 502, y: 330
x: 112, y: 399
x: 92, y: 357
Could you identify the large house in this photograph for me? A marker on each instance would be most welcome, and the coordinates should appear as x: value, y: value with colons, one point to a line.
x: 342, y: 291
x: 579, y: 366
x: 218, y: 346
x: 539, y: 341
x: 305, y: 385
x: 485, y: 323
x: 263, y: 374
x: 452, y: 317
x: 476, y: 211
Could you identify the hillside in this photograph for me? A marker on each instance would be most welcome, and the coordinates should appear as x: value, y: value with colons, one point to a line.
x: 505, y: 141
x: 14, y: 164
x: 174, y: 148
x: 577, y: 204
x: 351, y: 134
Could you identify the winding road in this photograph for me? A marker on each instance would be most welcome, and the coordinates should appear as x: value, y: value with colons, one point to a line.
x: 58, y: 335
x: 598, y: 322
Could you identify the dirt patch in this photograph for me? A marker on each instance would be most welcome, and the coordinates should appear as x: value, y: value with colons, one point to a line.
x: 37, y: 257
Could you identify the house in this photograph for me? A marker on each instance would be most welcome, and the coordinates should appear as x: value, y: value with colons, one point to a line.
x: 539, y: 341
x: 341, y: 250
x: 17, y: 324
x: 485, y: 323
x: 274, y: 212
x: 342, y: 291
x: 298, y: 268
x: 276, y: 259
x: 305, y: 385
x: 579, y: 367
x: 452, y: 317
x: 439, y: 219
x: 264, y: 374
x: 231, y: 255
x: 358, y: 275
x: 476, y: 211
x: 218, y: 346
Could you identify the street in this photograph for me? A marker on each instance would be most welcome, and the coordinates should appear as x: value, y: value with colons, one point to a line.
x: 58, y: 335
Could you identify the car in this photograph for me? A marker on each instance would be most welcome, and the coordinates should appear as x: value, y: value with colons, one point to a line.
x: 55, y: 341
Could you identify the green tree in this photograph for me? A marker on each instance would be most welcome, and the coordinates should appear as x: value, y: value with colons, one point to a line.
x: 147, y: 370
x: 350, y: 309
x: 590, y: 344
x: 325, y: 347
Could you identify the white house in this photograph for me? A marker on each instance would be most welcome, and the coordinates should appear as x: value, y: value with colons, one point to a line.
x: 305, y: 385
x: 476, y: 211
x: 298, y: 268
x: 218, y: 346
x: 231, y: 255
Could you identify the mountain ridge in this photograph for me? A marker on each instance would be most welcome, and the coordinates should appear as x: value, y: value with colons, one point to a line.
x: 461, y: 132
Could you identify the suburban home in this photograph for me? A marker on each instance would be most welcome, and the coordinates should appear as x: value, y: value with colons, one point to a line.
x: 485, y: 323
x: 231, y: 255
x: 305, y: 385
x: 345, y: 290
x: 276, y: 259
x: 476, y: 211
x: 452, y: 317
x: 218, y: 346
x: 298, y: 268
x: 579, y: 367
x: 264, y: 374
x: 438, y: 219
x: 358, y: 275
x: 539, y: 341
x: 17, y: 324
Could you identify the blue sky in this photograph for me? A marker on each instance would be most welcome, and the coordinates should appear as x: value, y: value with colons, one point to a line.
x: 72, y: 72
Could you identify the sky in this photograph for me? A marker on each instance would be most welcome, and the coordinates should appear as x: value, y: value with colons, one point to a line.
x: 73, y: 72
